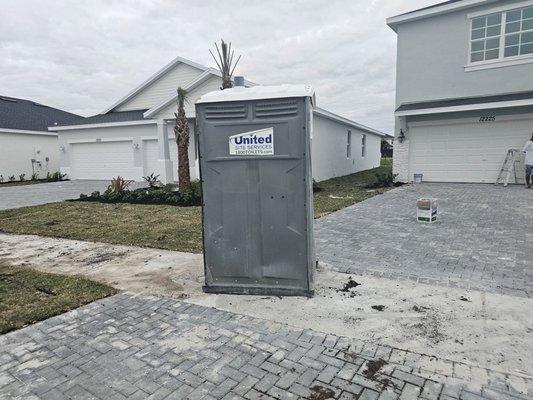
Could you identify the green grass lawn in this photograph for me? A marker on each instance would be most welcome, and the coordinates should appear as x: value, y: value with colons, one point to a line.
x: 346, y: 190
x: 160, y: 226
x: 28, y: 296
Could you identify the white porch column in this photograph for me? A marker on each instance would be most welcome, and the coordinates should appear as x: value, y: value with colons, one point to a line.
x: 163, y: 162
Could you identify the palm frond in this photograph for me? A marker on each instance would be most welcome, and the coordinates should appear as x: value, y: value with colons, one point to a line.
x: 225, y: 62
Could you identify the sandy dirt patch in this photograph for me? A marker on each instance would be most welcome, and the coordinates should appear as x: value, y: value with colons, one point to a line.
x: 136, y: 269
x: 483, y: 329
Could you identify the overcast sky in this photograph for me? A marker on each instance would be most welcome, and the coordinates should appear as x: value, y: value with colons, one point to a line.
x: 83, y: 55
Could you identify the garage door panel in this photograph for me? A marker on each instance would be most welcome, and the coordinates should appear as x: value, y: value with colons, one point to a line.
x: 468, y: 152
x: 102, y: 160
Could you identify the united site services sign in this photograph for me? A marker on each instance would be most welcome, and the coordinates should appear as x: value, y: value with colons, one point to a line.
x: 254, y: 143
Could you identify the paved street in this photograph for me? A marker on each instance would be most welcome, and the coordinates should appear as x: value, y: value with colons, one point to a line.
x: 482, y: 240
x: 149, y: 348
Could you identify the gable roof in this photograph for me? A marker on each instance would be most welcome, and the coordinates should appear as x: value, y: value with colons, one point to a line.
x: 21, y: 114
x: 108, y: 116
x: 152, y: 79
x: 159, y: 74
x: 193, y: 84
x: 436, y: 9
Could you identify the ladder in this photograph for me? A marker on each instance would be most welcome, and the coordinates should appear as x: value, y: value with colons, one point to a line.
x: 509, y: 167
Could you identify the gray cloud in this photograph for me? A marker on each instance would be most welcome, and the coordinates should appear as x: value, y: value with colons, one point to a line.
x: 82, y: 56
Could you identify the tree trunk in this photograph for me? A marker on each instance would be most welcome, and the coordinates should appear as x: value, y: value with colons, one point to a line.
x: 181, y: 131
x: 184, y: 174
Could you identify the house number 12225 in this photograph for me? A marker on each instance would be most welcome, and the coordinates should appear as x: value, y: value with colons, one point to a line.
x: 489, y: 118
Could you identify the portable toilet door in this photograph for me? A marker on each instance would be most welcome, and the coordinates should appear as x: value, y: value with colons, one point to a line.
x: 255, y: 168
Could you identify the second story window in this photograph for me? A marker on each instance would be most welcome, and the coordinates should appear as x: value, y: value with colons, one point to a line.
x: 502, y: 35
x: 485, y: 36
x: 519, y: 32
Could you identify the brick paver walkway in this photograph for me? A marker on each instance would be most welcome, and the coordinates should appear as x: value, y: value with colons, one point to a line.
x: 482, y: 240
x: 148, y: 348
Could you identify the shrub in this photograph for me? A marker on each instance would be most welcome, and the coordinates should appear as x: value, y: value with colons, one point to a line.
x: 165, y: 194
x: 22, y: 177
x: 34, y: 176
x: 380, y: 179
x: 1, y: 178
x: 12, y: 178
x: 152, y: 180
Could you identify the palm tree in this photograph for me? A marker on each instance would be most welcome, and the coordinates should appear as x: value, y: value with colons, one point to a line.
x: 181, y: 130
x: 225, y: 63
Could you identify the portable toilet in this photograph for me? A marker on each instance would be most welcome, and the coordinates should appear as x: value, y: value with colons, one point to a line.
x: 257, y: 210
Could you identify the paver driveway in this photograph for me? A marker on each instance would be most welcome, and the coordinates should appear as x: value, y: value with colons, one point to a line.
x: 482, y: 240
x: 42, y: 193
x: 148, y: 348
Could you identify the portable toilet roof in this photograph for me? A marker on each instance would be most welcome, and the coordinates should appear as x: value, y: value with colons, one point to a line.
x: 241, y: 93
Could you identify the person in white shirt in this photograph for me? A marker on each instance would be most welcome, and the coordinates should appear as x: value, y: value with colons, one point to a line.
x: 528, y: 149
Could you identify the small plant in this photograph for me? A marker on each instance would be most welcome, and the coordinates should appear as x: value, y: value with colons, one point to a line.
x: 34, y: 176
x: 152, y: 180
x: 55, y: 177
x: 12, y: 178
x: 118, y: 185
x: 22, y: 177
x: 1, y: 178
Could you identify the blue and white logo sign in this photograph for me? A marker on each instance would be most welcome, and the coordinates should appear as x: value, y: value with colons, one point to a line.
x: 254, y: 143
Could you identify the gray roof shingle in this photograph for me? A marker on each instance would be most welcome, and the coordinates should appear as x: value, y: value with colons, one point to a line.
x: 28, y: 115
x: 464, y: 101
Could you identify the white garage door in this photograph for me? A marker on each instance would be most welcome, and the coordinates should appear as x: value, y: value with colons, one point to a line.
x: 102, y: 160
x: 465, y: 152
x: 151, y: 154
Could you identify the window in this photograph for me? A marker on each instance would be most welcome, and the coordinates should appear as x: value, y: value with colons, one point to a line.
x: 363, y: 146
x: 499, y: 36
x: 485, y: 37
x: 348, y: 144
x: 519, y: 32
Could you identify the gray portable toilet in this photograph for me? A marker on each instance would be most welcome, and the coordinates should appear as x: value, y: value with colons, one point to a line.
x: 255, y: 168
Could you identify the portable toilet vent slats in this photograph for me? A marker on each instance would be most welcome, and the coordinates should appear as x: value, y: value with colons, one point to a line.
x: 255, y: 167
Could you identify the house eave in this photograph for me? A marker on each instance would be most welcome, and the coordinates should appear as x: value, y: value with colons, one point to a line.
x: 416, y: 15
x: 469, y: 107
x: 103, y: 125
x: 27, y: 132
x: 348, y: 122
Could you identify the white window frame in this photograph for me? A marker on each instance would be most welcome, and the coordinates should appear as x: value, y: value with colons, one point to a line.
x: 363, y: 145
x: 501, y: 61
x: 349, y: 144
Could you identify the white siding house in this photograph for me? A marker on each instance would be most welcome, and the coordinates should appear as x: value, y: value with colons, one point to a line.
x: 337, y: 148
x: 134, y: 137
x: 464, y: 95
x: 26, y: 145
